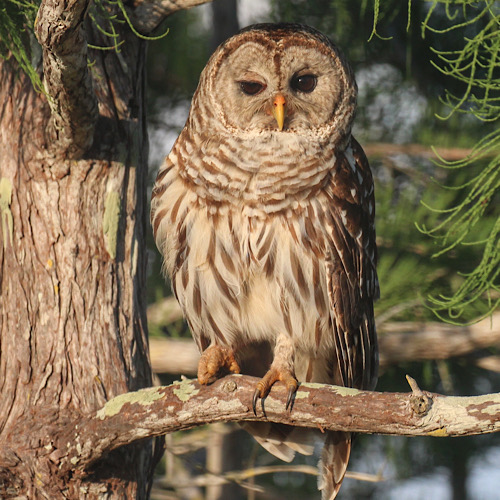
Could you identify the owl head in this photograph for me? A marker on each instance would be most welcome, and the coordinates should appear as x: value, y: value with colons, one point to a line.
x: 279, y: 79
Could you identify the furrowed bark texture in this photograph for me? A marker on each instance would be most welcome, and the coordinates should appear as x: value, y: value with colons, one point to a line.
x: 72, y: 261
x: 67, y: 77
x: 182, y: 405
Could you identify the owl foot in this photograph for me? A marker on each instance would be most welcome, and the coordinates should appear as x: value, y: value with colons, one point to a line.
x: 265, y: 384
x: 215, y: 362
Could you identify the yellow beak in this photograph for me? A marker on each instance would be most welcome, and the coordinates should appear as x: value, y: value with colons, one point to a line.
x: 279, y: 110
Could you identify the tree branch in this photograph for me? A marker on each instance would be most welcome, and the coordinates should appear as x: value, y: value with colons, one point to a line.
x: 67, y: 78
x: 381, y: 149
x: 404, y: 341
x: 150, y: 13
x: 174, y: 356
x: 182, y: 405
x: 240, y: 476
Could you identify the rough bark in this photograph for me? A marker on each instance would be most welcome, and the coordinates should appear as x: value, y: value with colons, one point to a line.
x: 67, y: 77
x: 183, y: 405
x: 72, y: 260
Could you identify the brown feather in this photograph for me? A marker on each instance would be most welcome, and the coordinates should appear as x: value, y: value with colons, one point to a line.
x: 333, y: 463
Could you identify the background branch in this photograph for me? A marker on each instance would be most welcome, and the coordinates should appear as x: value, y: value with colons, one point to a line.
x: 67, y: 78
x: 240, y: 476
x: 381, y: 149
x: 409, y: 341
x: 182, y: 405
x: 149, y: 14
x: 398, y: 341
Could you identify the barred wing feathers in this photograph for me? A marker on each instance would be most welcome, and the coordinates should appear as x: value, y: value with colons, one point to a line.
x: 352, y: 277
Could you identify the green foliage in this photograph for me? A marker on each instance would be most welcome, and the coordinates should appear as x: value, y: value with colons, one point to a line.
x: 120, y: 5
x: 405, y: 268
x: 106, y: 15
x: 474, y: 68
x: 472, y: 221
x: 17, y: 19
x: 475, y: 65
x: 408, y: 268
x: 105, y: 20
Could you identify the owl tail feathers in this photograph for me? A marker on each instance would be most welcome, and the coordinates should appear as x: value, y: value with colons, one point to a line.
x: 282, y: 441
x: 333, y: 463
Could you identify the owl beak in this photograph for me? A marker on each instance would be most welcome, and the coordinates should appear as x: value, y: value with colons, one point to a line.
x: 279, y: 110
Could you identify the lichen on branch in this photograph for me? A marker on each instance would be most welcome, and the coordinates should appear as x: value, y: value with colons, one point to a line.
x: 183, y: 405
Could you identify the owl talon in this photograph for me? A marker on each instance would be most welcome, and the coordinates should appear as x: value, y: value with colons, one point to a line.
x: 256, y: 396
x: 264, y: 387
x: 215, y: 362
x: 291, y: 397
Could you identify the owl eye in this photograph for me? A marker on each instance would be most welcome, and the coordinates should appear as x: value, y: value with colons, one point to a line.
x: 304, y: 83
x: 252, y: 88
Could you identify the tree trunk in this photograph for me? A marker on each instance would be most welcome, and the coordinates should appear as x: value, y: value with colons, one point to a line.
x: 459, y: 474
x: 224, y: 21
x: 72, y: 269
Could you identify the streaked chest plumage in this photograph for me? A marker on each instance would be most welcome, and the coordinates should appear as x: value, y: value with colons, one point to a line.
x: 242, y: 276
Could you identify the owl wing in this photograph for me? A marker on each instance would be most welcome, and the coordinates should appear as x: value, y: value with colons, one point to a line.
x: 351, y: 268
x: 352, y: 287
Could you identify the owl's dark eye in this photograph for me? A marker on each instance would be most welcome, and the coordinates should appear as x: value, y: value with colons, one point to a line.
x: 304, y: 83
x: 252, y: 88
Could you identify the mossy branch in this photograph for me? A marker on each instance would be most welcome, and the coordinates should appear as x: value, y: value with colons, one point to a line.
x: 183, y: 405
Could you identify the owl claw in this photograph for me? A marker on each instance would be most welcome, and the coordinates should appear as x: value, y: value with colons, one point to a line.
x: 291, y: 397
x: 256, y: 396
x: 264, y: 386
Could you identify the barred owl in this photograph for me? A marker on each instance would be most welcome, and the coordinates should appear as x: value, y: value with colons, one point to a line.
x: 264, y: 214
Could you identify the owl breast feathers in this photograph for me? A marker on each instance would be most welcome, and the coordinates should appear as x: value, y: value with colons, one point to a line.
x: 264, y: 214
